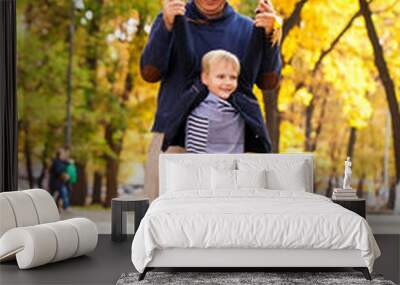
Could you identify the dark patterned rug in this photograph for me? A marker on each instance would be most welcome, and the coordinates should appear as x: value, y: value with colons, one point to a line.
x: 242, y: 278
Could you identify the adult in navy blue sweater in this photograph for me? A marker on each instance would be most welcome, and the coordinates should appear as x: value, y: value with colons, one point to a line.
x: 212, y: 25
x: 242, y: 99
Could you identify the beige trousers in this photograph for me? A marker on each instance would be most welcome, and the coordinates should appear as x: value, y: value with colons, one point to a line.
x: 151, y: 187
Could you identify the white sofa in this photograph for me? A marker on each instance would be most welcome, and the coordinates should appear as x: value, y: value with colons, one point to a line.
x: 31, y: 231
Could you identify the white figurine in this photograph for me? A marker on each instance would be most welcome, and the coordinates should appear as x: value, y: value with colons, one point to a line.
x: 347, y: 174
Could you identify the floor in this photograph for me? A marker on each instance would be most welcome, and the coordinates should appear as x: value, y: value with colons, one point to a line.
x: 103, y: 266
x: 110, y: 260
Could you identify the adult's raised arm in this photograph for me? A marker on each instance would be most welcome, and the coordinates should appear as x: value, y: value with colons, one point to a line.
x: 156, y: 54
x: 270, y: 71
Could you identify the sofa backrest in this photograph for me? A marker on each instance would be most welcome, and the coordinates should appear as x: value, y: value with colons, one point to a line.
x: 26, y: 208
x: 248, y: 161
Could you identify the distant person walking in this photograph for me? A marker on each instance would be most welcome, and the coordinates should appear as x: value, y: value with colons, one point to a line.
x: 59, y: 184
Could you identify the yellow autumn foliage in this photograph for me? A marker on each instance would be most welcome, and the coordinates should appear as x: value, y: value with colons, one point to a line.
x: 303, y: 96
x: 292, y: 137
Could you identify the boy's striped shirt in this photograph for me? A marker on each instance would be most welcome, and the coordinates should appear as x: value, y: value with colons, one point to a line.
x: 219, y: 118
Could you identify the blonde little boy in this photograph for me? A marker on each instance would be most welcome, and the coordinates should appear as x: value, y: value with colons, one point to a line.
x: 215, y: 126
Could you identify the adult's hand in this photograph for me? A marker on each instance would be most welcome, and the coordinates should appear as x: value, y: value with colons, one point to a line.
x: 172, y: 8
x: 266, y: 16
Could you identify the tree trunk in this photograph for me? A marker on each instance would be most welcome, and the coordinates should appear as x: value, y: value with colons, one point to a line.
x: 331, y: 185
x: 44, y: 156
x: 79, y: 190
x: 97, y: 184
x: 392, y: 197
x: 333, y: 178
x: 293, y: 20
x: 397, y: 199
x: 318, y: 129
x: 308, y: 125
x: 71, y: 34
x: 92, y: 51
x: 112, y: 163
x: 360, y: 186
x: 386, y: 80
x: 42, y: 175
x: 112, y: 167
x: 273, y: 117
x: 28, y: 155
x: 352, y: 142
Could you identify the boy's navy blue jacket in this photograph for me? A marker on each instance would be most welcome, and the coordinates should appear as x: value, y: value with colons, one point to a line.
x: 231, y: 31
x: 256, y: 135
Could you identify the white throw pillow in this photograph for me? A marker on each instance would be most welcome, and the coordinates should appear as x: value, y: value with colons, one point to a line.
x: 282, y: 174
x: 293, y: 180
x: 223, y: 179
x: 181, y: 177
x: 186, y: 174
x: 251, y: 179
